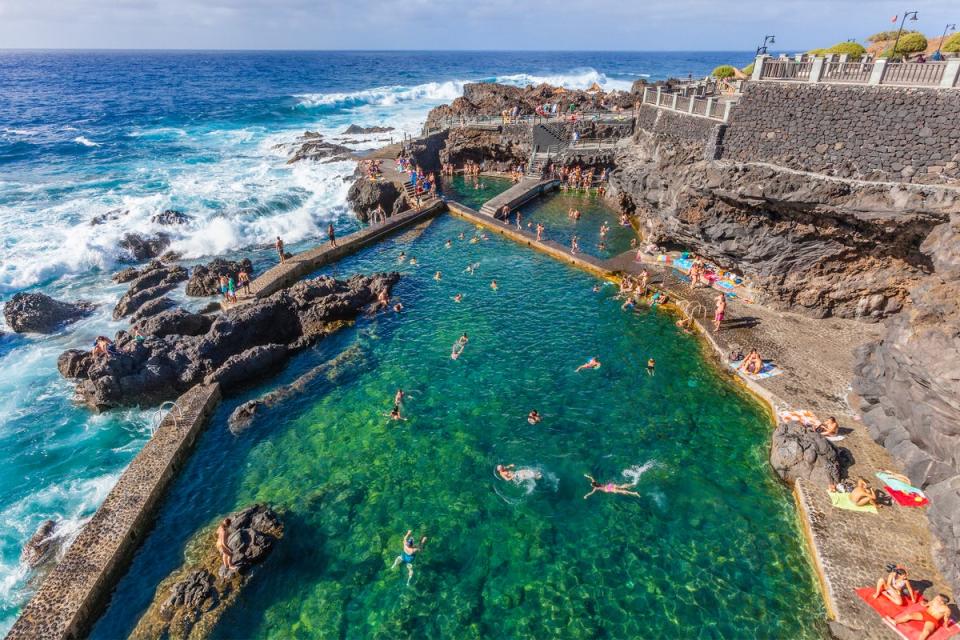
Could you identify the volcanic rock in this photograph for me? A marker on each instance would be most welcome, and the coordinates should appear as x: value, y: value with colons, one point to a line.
x: 356, y: 129
x: 39, y: 313
x: 311, y: 146
x: 137, y: 247
x: 170, y: 216
x: 152, y: 283
x: 40, y: 546
x: 365, y: 195
x: 204, y: 279
x: 799, y: 452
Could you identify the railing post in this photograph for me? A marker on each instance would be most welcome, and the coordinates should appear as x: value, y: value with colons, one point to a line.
x: 758, y: 67
x: 951, y: 73
x: 816, y: 69
x: 727, y: 106
x: 646, y: 91
x: 709, y: 106
x: 876, y: 75
x: 674, y: 105
x: 659, y: 92
x: 690, y: 104
x: 843, y: 58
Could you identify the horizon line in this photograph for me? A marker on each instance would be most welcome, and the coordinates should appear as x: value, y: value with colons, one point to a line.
x: 296, y: 50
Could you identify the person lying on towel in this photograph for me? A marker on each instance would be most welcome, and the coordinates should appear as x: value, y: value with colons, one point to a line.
x: 935, y: 615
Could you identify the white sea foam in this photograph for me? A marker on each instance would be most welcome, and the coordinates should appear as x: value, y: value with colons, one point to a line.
x: 634, y: 473
x: 85, y: 141
x: 386, y: 96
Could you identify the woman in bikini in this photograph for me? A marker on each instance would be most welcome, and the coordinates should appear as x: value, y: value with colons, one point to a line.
x: 895, y: 586
x: 752, y: 364
x: 622, y: 489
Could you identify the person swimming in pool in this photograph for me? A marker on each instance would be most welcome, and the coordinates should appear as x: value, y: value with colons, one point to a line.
x: 458, y: 347
x: 461, y: 236
x: 458, y: 297
x: 610, y: 487
x: 448, y: 244
x: 651, y: 366
x: 398, y: 308
x: 395, y: 413
x: 402, y: 256
x: 592, y: 363
x: 493, y: 285
x: 410, y: 550
x: 412, y: 262
x: 534, y: 417
x: 437, y: 276
x: 398, y: 397
x: 522, y: 474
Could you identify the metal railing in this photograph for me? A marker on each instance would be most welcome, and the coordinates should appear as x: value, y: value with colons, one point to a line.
x: 853, y: 72
x: 928, y: 74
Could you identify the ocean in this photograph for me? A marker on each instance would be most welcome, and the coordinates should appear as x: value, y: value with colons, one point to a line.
x: 86, y: 133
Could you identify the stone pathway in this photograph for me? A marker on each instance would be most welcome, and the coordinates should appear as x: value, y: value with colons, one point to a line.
x: 523, y: 191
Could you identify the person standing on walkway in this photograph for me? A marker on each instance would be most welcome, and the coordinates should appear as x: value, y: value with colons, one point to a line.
x: 283, y: 255
x: 332, y: 235
x: 540, y: 229
x: 519, y: 220
x: 719, y: 312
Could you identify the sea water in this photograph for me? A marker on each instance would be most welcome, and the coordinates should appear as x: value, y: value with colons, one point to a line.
x: 86, y: 133
x: 711, y: 547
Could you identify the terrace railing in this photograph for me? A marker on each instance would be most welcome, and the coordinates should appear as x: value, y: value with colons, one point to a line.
x: 943, y: 75
x: 712, y: 108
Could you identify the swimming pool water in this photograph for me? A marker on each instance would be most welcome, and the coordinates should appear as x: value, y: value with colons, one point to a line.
x: 474, y: 192
x: 711, y: 548
x: 552, y: 212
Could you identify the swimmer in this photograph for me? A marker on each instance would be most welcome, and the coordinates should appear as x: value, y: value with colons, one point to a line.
x: 410, y: 550
x: 458, y: 297
x: 651, y: 364
x: 395, y: 413
x: 402, y: 256
x: 398, y: 307
x: 462, y: 340
x: 412, y: 261
x: 448, y: 244
x: 437, y: 276
x: 684, y: 324
x: 534, y: 417
x: 461, y: 236
x: 520, y: 475
x: 398, y: 397
x: 592, y: 363
x: 493, y: 285
x: 610, y: 487
x: 596, y: 288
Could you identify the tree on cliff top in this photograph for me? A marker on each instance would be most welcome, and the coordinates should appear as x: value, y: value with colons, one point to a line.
x: 724, y: 71
x: 909, y: 43
x: 853, y: 50
x: 951, y: 44
x: 883, y: 36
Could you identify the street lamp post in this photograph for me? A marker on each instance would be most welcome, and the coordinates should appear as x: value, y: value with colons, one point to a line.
x: 913, y: 17
x: 949, y: 27
x: 766, y: 40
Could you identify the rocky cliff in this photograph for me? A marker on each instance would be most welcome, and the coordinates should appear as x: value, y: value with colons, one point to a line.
x: 909, y: 383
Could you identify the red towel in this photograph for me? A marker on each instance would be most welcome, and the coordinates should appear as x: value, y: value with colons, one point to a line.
x: 909, y: 630
x: 906, y: 499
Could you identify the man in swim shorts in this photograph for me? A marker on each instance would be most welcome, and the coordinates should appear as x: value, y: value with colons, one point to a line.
x: 283, y: 255
x: 651, y: 365
x: 720, y: 312
x: 410, y: 550
x: 934, y: 616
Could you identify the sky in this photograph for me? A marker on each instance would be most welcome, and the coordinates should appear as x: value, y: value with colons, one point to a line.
x: 624, y: 25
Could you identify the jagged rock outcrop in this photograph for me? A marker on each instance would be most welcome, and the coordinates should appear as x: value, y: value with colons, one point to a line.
x: 354, y: 129
x: 41, y: 546
x: 170, y: 217
x: 190, y: 601
x: 909, y: 382
x: 136, y: 247
x: 333, y: 372
x: 152, y: 282
x: 508, y: 146
x: 205, y: 279
x: 39, y: 313
x: 126, y: 275
x: 179, y: 349
x: 109, y: 216
x: 366, y: 195
x: 312, y: 146
x: 798, y: 452
x: 813, y: 244
x: 152, y: 308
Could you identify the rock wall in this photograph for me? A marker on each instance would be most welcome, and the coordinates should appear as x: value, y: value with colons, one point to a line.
x: 910, y: 386
x: 907, y: 134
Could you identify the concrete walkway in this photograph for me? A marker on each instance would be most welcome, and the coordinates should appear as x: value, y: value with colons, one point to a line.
x: 848, y: 549
x: 524, y: 191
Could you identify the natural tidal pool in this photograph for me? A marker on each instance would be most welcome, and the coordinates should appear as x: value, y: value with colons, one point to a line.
x: 474, y: 192
x: 552, y: 212
x: 710, y: 549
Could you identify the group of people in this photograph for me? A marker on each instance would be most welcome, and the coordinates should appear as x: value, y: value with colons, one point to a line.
x: 896, y: 588
x: 372, y: 168
x: 228, y: 286
x: 576, y: 177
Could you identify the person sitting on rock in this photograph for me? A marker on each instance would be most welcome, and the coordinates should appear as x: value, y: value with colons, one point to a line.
x: 102, y: 346
x: 829, y: 428
x: 226, y: 553
x: 863, y: 494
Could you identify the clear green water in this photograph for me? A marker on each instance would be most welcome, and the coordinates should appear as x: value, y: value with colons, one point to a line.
x: 711, y: 549
x: 559, y: 227
x: 474, y: 193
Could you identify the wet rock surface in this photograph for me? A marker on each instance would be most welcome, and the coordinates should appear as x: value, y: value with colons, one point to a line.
x: 171, y: 217
x: 151, y: 283
x: 39, y: 313
x: 366, y: 195
x: 180, y: 349
x: 189, y: 603
x: 354, y: 129
x: 204, y: 278
x: 798, y: 452
x: 41, y: 546
x: 909, y: 382
x: 312, y: 146
x: 136, y: 247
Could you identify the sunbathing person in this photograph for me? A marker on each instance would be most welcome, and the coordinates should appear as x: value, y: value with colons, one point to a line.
x: 895, y: 586
x: 863, y: 494
x: 935, y: 615
x: 622, y: 489
x: 829, y: 428
x: 752, y: 363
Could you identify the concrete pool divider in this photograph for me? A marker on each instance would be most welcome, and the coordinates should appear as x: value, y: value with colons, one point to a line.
x: 520, y: 193
x: 73, y: 595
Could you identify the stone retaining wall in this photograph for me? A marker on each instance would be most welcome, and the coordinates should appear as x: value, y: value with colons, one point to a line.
x: 906, y: 134
x: 692, y: 133
x: 73, y: 594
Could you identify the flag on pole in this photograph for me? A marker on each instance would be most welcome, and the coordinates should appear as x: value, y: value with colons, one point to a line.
x: 894, y: 19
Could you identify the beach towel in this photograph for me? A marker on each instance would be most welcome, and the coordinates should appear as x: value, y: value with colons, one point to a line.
x: 909, y: 630
x: 907, y: 499
x: 767, y: 371
x: 842, y: 501
x: 898, y: 484
x: 803, y: 416
x: 682, y: 264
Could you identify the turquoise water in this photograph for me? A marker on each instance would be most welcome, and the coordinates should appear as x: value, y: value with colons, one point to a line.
x: 552, y: 213
x: 710, y: 549
x: 474, y: 193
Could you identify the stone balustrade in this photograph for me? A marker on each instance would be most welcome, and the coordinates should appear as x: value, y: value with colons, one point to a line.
x: 839, y: 69
x: 712, y: 108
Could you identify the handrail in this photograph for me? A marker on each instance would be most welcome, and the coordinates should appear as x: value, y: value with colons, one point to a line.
x: 158, y: 415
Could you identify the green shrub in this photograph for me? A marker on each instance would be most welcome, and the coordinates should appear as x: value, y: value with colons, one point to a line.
x: 853, y: 50
x: 724, y: 71
x: 748, y: 70
x: 951, y: 44
x: 912, y: 43
x: 887, y: 35
x: 817, y: 52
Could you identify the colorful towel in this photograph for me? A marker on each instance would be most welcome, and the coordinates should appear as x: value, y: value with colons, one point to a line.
x: 907, y: 499
x: 803, y: 416
x: 767, y: 371
x: 898, y: 484
x: 842, y: 501
x: 683, y: 264
x: 909, y: 630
